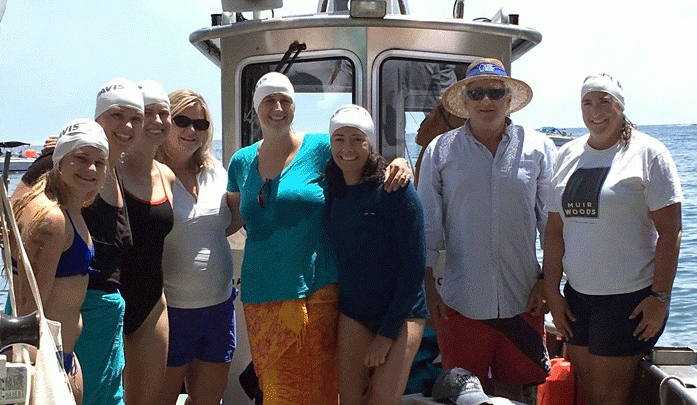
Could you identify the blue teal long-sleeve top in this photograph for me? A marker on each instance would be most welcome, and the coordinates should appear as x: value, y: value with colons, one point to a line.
x: 378, y: 238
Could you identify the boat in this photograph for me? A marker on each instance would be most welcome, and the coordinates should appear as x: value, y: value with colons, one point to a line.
x: 20, y: 160
x: 559, y: 136
x: 394, y: 64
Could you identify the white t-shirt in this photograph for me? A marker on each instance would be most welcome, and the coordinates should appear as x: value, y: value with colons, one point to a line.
x: 605, y: 199
x: 197, y: 262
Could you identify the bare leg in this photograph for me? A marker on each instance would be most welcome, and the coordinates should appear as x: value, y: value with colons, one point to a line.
x: 580, y: 361
x: 76, y: 382
x: 354, y: 340
x: 146, y: 358
x: 390, y: 379
x: 172, y: 386
x: 606, y: 380
x: 206, y: 382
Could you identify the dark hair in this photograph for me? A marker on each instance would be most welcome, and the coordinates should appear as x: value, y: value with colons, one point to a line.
x: 373, y: 171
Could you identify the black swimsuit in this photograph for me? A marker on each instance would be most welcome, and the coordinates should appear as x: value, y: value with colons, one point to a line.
x: 141, y: 275
x: 111, y: 235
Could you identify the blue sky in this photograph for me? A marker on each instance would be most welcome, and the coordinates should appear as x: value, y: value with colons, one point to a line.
x: 55, y: 55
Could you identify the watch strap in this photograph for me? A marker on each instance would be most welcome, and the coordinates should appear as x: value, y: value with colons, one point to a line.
x: 662, y: 296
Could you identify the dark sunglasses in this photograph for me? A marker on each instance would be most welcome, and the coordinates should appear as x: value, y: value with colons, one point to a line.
x: 182, y: 121
x: 478, y: 94
x: 260, y: 196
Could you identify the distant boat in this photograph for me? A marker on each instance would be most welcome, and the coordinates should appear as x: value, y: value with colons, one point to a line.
x: 559, y: 136
x: 20, y: 160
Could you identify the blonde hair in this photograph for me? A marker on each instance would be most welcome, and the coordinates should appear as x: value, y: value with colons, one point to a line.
x: 56, y: 193
x: 202, y: 158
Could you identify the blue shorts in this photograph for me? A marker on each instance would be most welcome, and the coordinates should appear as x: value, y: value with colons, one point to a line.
x: 603, y: 324
x: 206, y: 334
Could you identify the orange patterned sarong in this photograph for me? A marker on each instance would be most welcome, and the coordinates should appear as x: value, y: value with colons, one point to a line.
x: 293, y: 347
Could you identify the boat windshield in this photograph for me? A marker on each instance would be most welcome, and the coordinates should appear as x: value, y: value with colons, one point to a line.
x: 321, y: 86
x: 409, y: 88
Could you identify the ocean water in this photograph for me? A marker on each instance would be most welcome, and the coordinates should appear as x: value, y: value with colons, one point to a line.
x: 682, y: 323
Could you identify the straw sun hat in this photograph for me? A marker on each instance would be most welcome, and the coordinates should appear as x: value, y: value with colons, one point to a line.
x: 453, y: 98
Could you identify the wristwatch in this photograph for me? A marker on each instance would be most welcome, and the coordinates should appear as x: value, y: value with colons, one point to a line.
x: 662, y: 296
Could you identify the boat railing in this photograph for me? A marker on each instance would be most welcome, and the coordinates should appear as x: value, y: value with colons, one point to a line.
x: 673, y: 388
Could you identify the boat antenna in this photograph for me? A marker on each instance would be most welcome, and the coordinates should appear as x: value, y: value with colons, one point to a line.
x: 289, y: 57
x: 459, y: 9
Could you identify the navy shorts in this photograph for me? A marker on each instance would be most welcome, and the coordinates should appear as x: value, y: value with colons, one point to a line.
x: 603, y: 324
x: 206, y: 334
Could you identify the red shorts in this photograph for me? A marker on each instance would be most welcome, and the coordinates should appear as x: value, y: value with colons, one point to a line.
x: 513, y: 349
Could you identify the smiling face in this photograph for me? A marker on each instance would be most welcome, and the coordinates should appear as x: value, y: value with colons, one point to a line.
x: 276, y: 112
x: 350, y: 151
x: 183, y: 142
x: 122, y: 125
x: 157, y: 123
x: 603, y: 117
x: 487, y: 112
x: 84, y: 170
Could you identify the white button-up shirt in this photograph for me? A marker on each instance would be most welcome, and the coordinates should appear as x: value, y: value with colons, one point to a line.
x: 487, y: 210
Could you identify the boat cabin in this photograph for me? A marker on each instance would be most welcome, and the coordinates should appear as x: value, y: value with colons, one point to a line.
x: 395, y: 64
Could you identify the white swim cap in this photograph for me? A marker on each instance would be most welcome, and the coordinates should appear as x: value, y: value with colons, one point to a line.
x: 272, y: 83
x: 605, y: 83
x: 78, y: 133
x: 153, y: 93
x: 119, y: 93
x: 351, y: 115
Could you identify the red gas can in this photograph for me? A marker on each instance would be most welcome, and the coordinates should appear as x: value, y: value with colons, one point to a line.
x: 562, y: 387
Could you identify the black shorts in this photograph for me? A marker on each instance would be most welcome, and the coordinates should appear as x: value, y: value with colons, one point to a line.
x: 603, y: 324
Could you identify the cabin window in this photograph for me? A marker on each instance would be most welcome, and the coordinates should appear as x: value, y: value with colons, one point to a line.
x: 408, y: 89
x: 321, y: 86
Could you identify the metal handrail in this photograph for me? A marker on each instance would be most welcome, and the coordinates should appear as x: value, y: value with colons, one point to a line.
x: 673, y: 384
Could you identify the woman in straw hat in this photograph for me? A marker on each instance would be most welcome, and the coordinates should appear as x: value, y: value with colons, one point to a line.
x: 54, y: 232
x: 289, y: 271
x: 614, y: 228
x: 379, y: 243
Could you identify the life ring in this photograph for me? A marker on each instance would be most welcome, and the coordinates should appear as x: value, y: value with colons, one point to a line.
x: 30, y: 153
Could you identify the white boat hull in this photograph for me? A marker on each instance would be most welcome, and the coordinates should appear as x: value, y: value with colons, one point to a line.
x: 18, y: 164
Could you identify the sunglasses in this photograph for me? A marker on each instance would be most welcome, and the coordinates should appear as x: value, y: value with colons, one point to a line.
x: 478, y: 94
x: 260, y: 196
x: 182, y: 121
